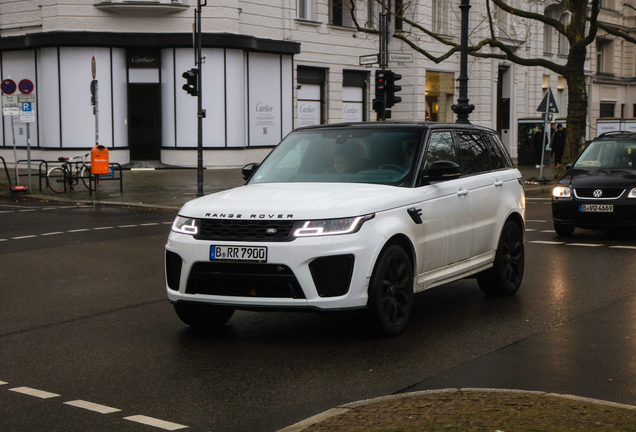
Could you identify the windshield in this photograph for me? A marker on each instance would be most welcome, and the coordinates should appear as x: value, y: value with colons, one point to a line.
x: 346, y: 155
x: 608, y: 155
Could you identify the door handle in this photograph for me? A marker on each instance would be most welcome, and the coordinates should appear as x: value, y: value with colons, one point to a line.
x: 462, y: 192
x: 498, y: 183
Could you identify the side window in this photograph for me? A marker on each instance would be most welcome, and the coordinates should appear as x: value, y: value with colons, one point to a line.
x: 474, y: 153
x: 498, y: 157
x: 440, y: 147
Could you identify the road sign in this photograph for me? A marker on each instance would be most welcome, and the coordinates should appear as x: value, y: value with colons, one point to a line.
x: 401, y: 57
x: 369, y: 59
x: 8, y: 86
x: 25, y: 86
x: 26, y: 98
x: 548, y: 104
x: 10, y: 105
x: 26, y: 107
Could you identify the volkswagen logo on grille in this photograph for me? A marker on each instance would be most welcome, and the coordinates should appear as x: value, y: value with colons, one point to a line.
x: 598, y: 193
x: 271, y: 230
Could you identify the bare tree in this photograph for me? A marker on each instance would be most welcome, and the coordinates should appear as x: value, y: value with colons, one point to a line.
x: 580, y: 31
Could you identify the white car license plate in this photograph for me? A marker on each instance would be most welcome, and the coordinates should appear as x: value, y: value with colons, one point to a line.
x: 238, y: 253
x: 596, y: 208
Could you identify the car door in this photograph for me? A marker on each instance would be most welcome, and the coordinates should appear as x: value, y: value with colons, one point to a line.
x: 486, y: 177
x: 444, y: 236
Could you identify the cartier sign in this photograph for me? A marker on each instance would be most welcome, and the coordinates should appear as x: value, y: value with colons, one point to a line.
x: 143, y: 59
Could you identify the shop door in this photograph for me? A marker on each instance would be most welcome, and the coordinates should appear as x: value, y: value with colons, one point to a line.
x: 144, y: 121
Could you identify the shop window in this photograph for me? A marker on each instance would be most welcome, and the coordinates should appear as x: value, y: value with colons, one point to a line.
x: 440, y: 88
x: 354, y: 91
x: 310, y: 98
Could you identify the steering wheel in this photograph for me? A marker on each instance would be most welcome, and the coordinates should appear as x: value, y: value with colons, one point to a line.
x: 393, y: 167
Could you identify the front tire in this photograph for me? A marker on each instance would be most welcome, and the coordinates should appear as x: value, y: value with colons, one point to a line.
x: 203, y: 316
x: 563, y: 230
x: 391, y: 291
x: 506, y: 274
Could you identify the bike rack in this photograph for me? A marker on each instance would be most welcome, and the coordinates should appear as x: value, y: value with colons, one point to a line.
x: 6, y: 171
x: 39, y: 173
x: 103, y: 177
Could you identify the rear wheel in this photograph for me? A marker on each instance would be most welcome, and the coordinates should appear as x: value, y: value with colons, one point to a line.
x: 563, y: 230
x: 57, y: 179
x: 85, y: 175
x: 506, y: 274
x: 203, y: 316
x: 391, y: 291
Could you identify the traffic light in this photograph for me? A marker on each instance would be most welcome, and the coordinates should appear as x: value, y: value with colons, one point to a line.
x: 192, y: 76
x: 392, y: 88
x: 379, y: 103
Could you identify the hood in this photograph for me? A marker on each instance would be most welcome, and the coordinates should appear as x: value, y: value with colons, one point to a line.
x: 298, y: 201
x: 599, y: 178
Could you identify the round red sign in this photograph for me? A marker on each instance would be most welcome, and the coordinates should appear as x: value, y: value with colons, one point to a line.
x: 25, y: 86
x: 8, y: 86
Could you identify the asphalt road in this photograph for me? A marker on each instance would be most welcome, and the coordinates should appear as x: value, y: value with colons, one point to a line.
x: 84, y: 317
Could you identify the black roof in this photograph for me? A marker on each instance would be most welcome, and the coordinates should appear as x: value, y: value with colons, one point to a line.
x: 616, y: 135
x: 397, y: 124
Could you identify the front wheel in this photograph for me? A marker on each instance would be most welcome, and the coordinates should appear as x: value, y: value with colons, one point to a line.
x: 563, y: 230
x: 203, y: 316
x: 58, y: 180
x: 391, y: 291
x: 506, y: 274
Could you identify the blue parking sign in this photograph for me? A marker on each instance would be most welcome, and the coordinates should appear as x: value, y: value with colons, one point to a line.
x: 25, y: 106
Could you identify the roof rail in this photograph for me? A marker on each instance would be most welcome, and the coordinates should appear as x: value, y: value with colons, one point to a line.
x: 613, y: 133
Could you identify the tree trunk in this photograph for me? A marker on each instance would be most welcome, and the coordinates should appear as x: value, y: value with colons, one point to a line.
x: 577, y: 106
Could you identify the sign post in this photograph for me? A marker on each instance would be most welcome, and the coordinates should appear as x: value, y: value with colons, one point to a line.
x: 547, y: 106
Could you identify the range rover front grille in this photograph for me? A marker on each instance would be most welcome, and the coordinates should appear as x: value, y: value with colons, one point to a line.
x: 246, y: 230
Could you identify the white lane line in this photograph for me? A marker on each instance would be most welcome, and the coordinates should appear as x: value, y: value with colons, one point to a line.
x: 34, y: 392
x: 535, y: 220
x: 7, y: 211
x: 1, y: 240
x: 622, y: 247
x: 3, y: 383
x: 52, y: 233
x: 168, y: 223
x: 102, y: 409
x: 584, y: 244
x: 27, y: 210
x: 78, y: 230
x: 149, y: 224
x: 23, y: 237
x: 548, y: 231
x: 126, y: 226
x: 530, y: 229
x: 547, y: 242
x: 155, y: 422
x: 103, y: 228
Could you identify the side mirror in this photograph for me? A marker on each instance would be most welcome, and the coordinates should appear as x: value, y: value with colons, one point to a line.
x: 443, y: 170
x: 249, y: 169
x: 568, y: 167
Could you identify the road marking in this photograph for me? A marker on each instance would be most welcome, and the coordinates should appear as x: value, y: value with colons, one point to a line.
x: 27, y: 210
x: 584, y: 244
x: 103, y: 228
x: 23, y: 237
x: 126, y: 226
x: 530, y: 229
x: 78, y: 230
x: 548, y: 231
x: 155, y: 422
x: 52, y: 233
x: 3, y: 383
x: 4, y: 240
x: 149, y: 224
x: 547, y: 242
x: 7, y: 211
x: 34, y: 392
x: 536, y: 220
x: 102, y: 409
x: 622, y: 247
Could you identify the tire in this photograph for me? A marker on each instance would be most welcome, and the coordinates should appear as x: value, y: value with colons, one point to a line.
x: 506, y: 274
x: 563, y: 230
x: 57, y: 180
x: 85, y: 175
x: 203, y: 316
x: 391, y: 291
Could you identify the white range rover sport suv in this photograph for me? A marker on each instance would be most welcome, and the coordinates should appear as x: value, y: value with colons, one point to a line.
x: 352, y: 216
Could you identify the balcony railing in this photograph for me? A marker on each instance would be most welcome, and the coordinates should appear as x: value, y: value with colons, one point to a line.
x: 142, y: 7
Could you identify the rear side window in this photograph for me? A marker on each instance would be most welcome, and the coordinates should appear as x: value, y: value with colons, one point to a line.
x: 498, y: 156
x: 474, y: 152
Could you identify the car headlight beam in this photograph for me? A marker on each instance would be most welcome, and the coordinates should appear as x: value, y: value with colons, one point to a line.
x: 328, y: 227
x: 562, y: 192
x: 185, y: 225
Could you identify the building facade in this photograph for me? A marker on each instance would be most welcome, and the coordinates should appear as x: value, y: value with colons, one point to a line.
x: 269, y: 67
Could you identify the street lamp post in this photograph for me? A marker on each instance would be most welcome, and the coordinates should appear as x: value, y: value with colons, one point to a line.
x: 463, y: 108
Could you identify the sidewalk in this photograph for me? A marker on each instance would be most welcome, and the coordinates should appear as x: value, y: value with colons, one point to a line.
x: 172, y: 187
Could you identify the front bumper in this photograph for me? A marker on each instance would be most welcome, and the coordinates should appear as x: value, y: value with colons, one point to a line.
x: 568, y: 212
x: 330, y: 272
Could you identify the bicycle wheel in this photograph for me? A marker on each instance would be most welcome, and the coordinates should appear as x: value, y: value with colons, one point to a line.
x: 85, y: 175
x: 57, y: 179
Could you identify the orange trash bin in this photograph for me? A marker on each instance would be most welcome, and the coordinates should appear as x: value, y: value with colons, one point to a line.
x: 99, y: 160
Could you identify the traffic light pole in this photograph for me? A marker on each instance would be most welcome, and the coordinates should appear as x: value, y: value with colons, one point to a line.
x: 200, y: 111
x: 384, y: 54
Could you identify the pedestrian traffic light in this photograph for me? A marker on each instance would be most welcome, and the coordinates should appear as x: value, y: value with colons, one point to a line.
x: 379, y: 103
x: 192, y: 76
x: 392, y: 88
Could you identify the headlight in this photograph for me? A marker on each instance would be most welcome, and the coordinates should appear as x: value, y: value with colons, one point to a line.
x: 632, y: 193
x: 186, y: 225
x: 331, y: 226
x: 561, y: 192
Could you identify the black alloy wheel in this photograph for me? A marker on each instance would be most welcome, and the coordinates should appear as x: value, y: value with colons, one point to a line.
x: 391, y: 291
x: 506, y: 274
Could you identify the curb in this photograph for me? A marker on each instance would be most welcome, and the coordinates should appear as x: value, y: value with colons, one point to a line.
x: 342, y: 409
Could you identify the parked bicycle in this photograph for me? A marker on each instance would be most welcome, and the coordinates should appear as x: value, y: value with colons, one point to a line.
x: 61, y: 179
